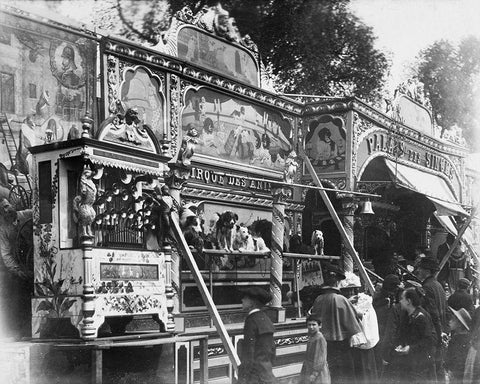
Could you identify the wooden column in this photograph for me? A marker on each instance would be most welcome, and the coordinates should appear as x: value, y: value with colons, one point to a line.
x: 176, y: 179
x: 280, y: 194
x: 349, y: 205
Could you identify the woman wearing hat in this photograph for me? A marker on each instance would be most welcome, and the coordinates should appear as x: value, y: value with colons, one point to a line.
x: 458, y: 345
x: 340, y: 326
x: 364, y: 357
x: 258, y: 347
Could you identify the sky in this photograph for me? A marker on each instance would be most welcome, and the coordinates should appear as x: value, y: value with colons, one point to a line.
x: 405, y: 27
x: 402, y: 27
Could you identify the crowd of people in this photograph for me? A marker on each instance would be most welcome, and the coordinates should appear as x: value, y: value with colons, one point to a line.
x: 409, y: 332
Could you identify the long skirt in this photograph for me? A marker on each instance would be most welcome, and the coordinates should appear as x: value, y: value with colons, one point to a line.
x: 340, y: 361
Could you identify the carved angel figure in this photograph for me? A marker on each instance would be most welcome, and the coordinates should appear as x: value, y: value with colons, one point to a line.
x: 318, y: 242
x: 187, y: 147
x: 83, y: 211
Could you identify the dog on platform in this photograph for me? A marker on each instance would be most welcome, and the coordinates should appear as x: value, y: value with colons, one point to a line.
x: 318, y: 242
x: 243, y: 240
x: 224, y: 229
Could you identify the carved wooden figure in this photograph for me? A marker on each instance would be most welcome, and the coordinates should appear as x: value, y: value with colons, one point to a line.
x: 83, y: 211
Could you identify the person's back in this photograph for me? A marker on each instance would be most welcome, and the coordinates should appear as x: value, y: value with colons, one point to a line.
x: 337, y: 313
x: 340, y: 326
x: 258, y: 347
x: 461, y: 298
x: 460, y: 323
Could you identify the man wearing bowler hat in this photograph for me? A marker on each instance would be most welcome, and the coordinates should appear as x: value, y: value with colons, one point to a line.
x: 258, y: 348
x: 435, y: 303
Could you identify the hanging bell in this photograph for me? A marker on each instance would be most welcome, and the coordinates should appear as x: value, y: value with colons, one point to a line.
x: 367, y: 208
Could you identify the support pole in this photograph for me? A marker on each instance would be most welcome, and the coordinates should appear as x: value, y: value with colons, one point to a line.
x: 346, y: 240
x: 278, y: 226
x: 457, y: 240
x: 204, y: 292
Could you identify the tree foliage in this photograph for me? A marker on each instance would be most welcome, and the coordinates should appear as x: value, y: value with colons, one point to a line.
x: 313, y: 46
x: 451, y: 76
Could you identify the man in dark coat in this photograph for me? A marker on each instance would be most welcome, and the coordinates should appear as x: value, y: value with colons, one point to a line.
x: 258, y: 348
x: 461, y: 298
x: 388, y: 311
x: 435, y: 303
x: 441, y: 252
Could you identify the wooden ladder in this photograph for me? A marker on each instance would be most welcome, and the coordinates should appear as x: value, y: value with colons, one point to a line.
x: 9, y: 140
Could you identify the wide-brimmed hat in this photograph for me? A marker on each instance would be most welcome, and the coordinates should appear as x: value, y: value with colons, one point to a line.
x: 463, y: 316
x: 429, y: 263
x: 256, y: 293
x: 391, y: 282
x: 334, y: 270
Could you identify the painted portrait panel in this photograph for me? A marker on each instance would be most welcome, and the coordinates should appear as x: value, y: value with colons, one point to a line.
x: 209, y: 52
x: 325, y: 143
x: 234, y: 131
x: 68, y: 64
x: 47, y: 82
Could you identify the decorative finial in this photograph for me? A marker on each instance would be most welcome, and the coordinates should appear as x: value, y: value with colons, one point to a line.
x: 87, y: 123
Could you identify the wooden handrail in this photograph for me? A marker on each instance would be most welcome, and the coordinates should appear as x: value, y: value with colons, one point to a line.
x: 205, y: 293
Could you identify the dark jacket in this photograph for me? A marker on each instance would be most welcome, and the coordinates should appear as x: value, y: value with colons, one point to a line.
x: 258, y: 350
x: 456, y: 355
x: 435, y: 303
x: 418, y: 333
x: 461, y: 299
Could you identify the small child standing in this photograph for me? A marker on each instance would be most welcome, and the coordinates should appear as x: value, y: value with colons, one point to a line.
x: 458, y: 345
x: 315, y: 368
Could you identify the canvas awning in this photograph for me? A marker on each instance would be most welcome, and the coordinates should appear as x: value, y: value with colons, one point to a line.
x: 431, y: 186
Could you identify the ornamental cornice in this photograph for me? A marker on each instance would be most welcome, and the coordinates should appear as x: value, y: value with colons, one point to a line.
x: 327, y: 107
x: 221, y: 196
x: 181, y: 68
x: 40, y: 24
x: 405, y: 132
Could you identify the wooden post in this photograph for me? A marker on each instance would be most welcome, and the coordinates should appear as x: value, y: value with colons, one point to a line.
x: 97, y: 362
x: 346, y: 240
x: 203, y: 360
x: 280, y: 194
x: 204, y: 292
x: 457, y: 240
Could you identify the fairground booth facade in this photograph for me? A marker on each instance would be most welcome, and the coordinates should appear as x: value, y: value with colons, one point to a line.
x: 162, y: 180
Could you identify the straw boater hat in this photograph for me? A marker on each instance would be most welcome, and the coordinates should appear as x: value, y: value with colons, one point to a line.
x: 463, y: 317
x: 256, y: 293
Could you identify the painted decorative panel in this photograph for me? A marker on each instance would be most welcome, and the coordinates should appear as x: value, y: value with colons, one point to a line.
x: 325, y: 143
x: 142, y: 91
x: 230, y: 130
x: 207, y: 51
